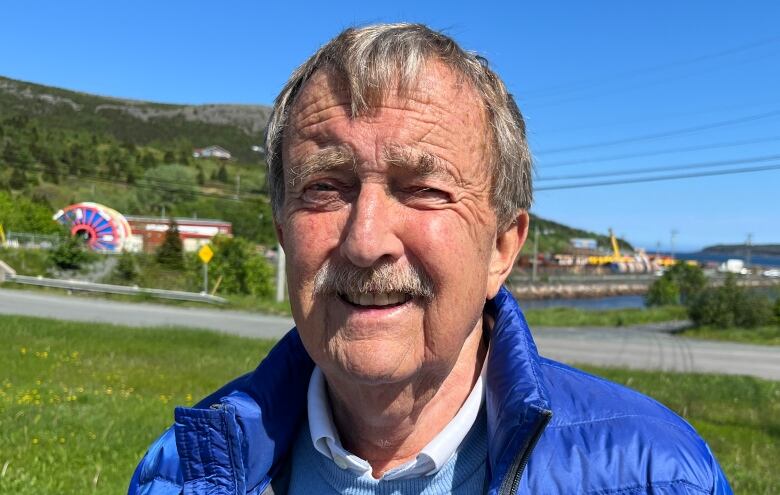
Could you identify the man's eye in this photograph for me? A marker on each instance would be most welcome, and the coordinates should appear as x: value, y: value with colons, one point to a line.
x: 321, y: 186
x: 320, y: 192
x: 427, y: 194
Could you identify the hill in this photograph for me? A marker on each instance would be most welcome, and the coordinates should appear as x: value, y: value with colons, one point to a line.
x: 59, y: 147
x: 740, y: 250
x: 554, y: 237
x: 234, y: 127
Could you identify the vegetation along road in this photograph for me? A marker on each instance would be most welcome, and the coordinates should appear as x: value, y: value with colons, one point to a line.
x: 640, y: 347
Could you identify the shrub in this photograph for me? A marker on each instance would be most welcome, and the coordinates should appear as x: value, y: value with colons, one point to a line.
x: 730, y: 306
x: 126, y: 268
x: 662, y: 292
x: 71, y: 254
x: 242, y: 270
x: 777, y: 310
x: 678, y: 285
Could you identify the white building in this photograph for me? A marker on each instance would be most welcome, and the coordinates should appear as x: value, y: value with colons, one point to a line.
x: 217, y: 152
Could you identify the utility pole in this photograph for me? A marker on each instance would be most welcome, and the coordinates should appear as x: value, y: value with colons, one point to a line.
x: 280, y: 273
x: 672, y: 236
x: 536, y: 254
x: 238, y: 186
x: 748, y: 249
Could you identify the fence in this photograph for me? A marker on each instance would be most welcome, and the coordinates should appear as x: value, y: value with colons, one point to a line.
x: 79, y: 285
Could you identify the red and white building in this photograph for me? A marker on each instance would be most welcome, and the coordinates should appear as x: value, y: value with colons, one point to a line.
x: 148, y: 232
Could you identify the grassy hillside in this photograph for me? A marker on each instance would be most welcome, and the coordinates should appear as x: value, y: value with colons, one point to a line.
x: 554, y: 237
x: 234, y: 127
x: 58, y: 147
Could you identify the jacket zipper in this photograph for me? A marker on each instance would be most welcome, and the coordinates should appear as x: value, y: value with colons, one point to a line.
x: 511, y: 482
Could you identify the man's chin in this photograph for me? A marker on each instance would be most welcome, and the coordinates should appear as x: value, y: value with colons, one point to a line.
x: 373, y: 368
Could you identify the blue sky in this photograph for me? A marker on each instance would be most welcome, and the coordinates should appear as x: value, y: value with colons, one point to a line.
x: 663, y: 84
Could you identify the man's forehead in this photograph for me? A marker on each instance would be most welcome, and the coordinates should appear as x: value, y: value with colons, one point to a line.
x: 435, y: 80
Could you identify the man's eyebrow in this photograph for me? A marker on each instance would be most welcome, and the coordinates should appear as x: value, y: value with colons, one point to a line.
x: 421, y: 163
x: 323, y: 160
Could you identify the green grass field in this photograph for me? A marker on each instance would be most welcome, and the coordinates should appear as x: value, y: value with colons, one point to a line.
x: 766, y: 335
x: 574, y: 317
x: 79, y: 404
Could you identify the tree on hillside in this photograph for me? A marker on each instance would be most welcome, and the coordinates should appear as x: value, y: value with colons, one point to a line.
x: 18, y: 179
x: 170, y: 251
x: 222, y: 174
x: 185, y: 156
x: 169, y: 157
x: 51, y: 169
x: 17, y: 156
x: 149, y: 160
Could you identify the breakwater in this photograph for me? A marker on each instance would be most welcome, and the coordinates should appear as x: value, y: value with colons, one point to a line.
x: 577, y: 290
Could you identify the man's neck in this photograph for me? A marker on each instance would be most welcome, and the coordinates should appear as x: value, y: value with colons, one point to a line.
x: 389, y: 424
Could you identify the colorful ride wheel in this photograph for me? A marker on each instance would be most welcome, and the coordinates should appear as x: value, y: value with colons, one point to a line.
x: 102, y: 228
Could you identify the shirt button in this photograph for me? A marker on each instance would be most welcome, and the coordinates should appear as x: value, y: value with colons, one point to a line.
x: 340, y: 462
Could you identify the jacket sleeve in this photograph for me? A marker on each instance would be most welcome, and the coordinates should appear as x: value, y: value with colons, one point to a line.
x: 158, y: 473
x: 721, y: 485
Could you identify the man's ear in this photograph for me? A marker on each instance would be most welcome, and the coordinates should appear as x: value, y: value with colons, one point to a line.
x: 507, y: 246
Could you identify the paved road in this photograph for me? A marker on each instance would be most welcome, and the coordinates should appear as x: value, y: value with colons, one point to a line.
x: 93, y: 309
x: 642, y: 348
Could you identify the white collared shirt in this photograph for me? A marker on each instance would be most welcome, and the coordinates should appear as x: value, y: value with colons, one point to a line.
x: 430, y: 459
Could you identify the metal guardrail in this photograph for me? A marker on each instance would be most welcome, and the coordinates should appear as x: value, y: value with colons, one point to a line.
x: 113, y: 289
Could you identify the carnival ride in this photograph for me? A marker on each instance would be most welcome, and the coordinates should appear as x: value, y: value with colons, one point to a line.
x: 102, y: 228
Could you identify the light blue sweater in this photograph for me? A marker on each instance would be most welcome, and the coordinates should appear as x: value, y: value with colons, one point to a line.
x: 312, y: 472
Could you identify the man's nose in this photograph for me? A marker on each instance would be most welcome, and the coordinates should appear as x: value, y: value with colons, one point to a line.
x: 371, y: 229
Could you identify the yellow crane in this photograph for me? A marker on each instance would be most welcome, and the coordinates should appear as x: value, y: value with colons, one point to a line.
x: 615, y: 257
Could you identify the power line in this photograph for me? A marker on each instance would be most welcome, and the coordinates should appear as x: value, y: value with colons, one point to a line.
x: 645, y: 170
x: 589, y: 95
x: 659, y: 178
x: 658, y: 135
x: 584, y: 84
x: 609, y: 158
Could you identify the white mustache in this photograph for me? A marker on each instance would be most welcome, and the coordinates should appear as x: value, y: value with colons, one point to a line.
x: 383, y: 278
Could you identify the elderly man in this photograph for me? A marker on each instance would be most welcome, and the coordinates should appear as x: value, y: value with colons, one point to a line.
x: 400, y: 181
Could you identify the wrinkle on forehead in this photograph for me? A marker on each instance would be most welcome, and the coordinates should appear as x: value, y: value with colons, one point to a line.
x: 417, y: 162
x: 415, y: 94
x: 439, y: 100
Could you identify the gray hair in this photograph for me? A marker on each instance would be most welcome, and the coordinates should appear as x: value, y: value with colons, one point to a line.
x: 373, y: 59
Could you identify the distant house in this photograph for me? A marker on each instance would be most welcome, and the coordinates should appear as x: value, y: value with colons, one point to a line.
x: 212, y: 152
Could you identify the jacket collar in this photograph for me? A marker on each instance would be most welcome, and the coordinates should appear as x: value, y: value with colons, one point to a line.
x: 268, y: 404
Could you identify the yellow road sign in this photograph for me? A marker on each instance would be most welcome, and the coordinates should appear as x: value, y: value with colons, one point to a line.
x: 205, y: 253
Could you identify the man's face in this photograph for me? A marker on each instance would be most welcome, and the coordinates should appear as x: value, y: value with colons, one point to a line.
x: 405, y: 185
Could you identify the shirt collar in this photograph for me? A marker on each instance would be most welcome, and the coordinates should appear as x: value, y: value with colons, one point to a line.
x: 429, y: 461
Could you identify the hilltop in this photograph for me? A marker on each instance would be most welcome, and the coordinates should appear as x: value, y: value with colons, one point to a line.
x: 59, y: 147
x: 740, y: 250
x: 235, y: 127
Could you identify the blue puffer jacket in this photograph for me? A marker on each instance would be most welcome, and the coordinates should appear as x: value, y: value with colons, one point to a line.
x: 551, y: 429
